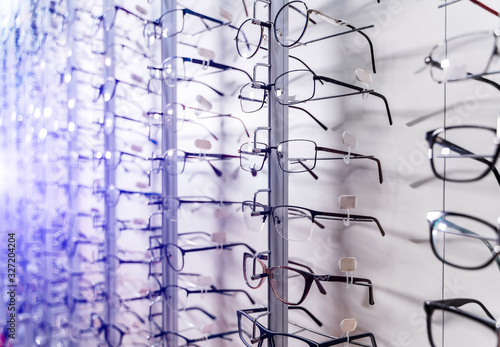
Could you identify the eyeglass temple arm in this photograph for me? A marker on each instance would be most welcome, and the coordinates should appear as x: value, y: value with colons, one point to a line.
x: 212, y: 155
x: 354, y: 29
x: 436, y: 64
x: 458, y: 302
x: 213, y: 64
x: 310, y: 115
x: 355, y: 156
x: 202, y: 16
x: 229, y: 116
x: 203, y: 126
x: 489, y: 9
x: 353, y: 218
x: 206, y: 313
x: 219, y: 93
x: 303, y: 309
x: 359, y: 89
x: 355, y: 280
x: 307, y: 169
x: 461, y: 150
x: 480, y: 4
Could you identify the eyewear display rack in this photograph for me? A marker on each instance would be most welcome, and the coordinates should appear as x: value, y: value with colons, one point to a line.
x: 94, y: 201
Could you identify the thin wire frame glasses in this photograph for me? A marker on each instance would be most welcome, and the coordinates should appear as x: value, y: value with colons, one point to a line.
x: 295, y: 87
x: 294, y: 156
x: 468, y: 56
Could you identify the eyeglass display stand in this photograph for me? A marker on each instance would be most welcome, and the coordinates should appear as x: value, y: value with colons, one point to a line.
x: 278, y: 180
x: 169, y: 182
x: 72, y: 177
x: 111, y: 264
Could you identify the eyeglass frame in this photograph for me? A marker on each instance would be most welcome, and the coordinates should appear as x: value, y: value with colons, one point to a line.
x: 267, y: 151
x: 268, y: 87
x: 434, y: 216
x: 264, y: 332
x: 431, y: 136
x: 163, y: 248
x: 451, y: 305
x: 309, y: 277
x: 269, y: 211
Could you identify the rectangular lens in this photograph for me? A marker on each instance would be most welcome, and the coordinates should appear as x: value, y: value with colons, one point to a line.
x: 463, y: 153
x: 293, y: 223
x: 462, y: 55
x: 175, y: 161
x: 251, y: 98
x: 296, y: 155
x: 463, y: 241
x: 247, y: 330
x: 253, y: 223
x: 288, y: 284
x: 252, y: 157
x: 294, y: 87
x: 454, y: 330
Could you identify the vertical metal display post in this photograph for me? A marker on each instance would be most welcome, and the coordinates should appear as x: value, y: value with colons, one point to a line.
x: 278, y: 180
x: 72, y: 170
x: 169, y: 182
x: 111, y: 264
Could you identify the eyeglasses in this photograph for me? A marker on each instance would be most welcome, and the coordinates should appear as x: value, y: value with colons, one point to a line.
x: 295, y: 87
x: 468, y: 56
x: 290, y: 25
x: 178, y: 111
x: 175, y: 160
x: 173, y: 69
x: 297, y: 281
x: 463, y: 241
x: 181, y: 295
x: 294, y: 156
x: 479, y: 3
x: 448, y: 322
x: 108, y: 88
x: 112, y: 194
x: 174, y: 339
x: 162, y: 27
x: 251, y: 332
x: 112, y: 333
x: 300, y: 221
x: 175, y: 254
x: 463, y: 153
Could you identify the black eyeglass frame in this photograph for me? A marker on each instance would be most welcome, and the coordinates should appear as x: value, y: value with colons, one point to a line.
x: 269, y: 334
x: 432, y: 137
x: 434, y: 217
x: 451, y: 305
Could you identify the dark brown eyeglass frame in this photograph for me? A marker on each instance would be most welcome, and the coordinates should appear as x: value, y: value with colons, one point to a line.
x: 309, y: 277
